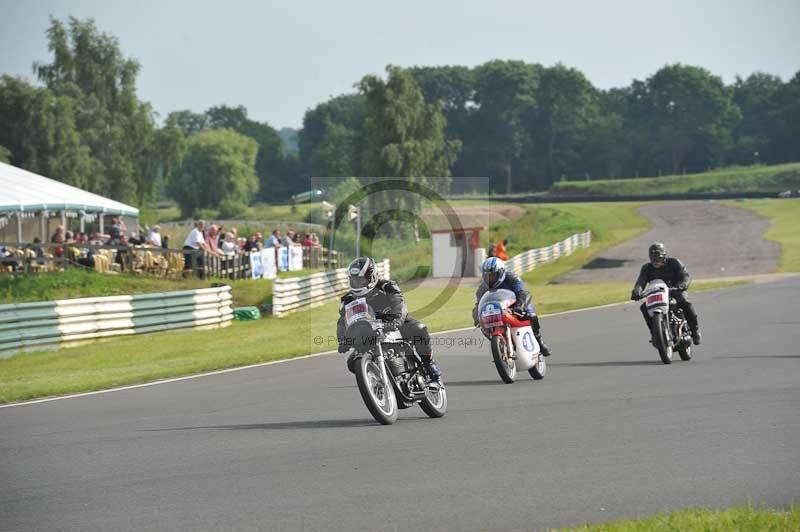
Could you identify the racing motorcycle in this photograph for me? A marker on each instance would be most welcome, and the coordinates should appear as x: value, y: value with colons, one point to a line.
x: 514, y: 347
x: 668, y: 327
x: 388, y: 371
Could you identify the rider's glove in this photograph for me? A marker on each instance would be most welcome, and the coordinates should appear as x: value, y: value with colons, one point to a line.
x: 636, y: 295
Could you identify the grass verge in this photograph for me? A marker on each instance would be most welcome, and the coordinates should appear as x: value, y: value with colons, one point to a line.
x: 87, y: 283
x: 134, y: 359
x: 775, y: 178
x: 739, y: 519
x: 784, y: 227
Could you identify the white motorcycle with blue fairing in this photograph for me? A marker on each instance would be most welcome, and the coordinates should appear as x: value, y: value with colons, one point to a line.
x: 514, y: 346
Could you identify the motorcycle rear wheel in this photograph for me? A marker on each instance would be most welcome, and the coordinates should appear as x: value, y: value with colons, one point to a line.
x: 506, y: 367
x: 379, y: 397
x: 660, y: 340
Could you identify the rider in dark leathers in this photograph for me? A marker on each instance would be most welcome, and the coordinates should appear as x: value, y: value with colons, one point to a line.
x: 495, y: 276
x: 671, y: 271
x: 387, y: 301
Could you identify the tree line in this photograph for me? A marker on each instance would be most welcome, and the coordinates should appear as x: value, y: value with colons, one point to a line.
x: 522, y: 125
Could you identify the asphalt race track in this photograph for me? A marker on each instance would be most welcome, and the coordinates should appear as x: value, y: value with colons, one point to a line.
x: 611, y: 432
x: 711, y: 239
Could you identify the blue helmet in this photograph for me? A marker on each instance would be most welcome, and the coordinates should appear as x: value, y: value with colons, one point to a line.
x: 493, y: 271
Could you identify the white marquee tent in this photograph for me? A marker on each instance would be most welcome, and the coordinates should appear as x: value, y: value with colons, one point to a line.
x: 28, y: 201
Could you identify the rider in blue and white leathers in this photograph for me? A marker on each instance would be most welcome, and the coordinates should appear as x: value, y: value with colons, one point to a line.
x: 495, y: 276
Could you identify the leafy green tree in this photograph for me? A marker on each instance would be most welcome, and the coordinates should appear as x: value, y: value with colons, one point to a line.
x: 786, y: 119
x: 691, y: 113
x: 38, y: 128
x: 218, y: 169
x: 566, y: 105
x: 5, y: 155
x: 404, y: 137
x: 330, y: 141
x: 189, y: 122
x: 504, y: 96
x: 89, y: 68
x: 756, y: 97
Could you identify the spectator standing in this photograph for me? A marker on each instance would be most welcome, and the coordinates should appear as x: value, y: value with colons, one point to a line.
x: 253, y: 243
x: 308, y: 242
x: 288, y: 240
x: 274, y: 241
x: 154, y: 238
x: 212, y: 240
x: 194, y: 244
x: 500, y: 250
x: 115, y: 232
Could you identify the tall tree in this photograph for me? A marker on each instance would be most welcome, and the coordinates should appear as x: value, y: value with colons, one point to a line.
x: 691, y: 113
x: 330, y: 139
x: 786, y: 118
x: 89, y: 67
x: 404, y: 137
x: 504, y: 95
x: 756, y: 97
x: 219, y: 167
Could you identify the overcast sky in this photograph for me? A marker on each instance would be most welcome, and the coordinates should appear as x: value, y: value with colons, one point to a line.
x: 279, y: 59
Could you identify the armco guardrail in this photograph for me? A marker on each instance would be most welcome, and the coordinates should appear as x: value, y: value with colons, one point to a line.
x: 296, y: 293
x: 528, y: 260
x: 27, y: 326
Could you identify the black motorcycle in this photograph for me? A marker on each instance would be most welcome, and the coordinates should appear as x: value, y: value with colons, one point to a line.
x: 388, y: 371
x: 668, y: 326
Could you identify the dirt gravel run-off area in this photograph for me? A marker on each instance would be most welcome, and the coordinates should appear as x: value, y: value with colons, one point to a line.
x: 712, y: 240
x: 471, y: 215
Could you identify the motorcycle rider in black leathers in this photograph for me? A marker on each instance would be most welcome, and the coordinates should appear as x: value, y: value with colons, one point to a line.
x: 671, y: 271
x: 387, y: 301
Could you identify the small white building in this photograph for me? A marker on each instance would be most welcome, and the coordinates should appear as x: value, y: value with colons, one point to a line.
x: 32, y: 205
x: 457, y: 252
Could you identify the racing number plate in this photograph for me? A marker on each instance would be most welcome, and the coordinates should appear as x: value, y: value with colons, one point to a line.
x: 356, y: 310
x: 491, y: 317
x: 655, y: 299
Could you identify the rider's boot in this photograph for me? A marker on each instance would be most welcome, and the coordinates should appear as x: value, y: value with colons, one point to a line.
x: 537, y: 332
x: 431, y: 368
x: 351, y: 362
x: 543, y: 347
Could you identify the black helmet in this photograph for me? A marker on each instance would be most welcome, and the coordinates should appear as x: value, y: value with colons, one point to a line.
x: 363, y: 275
x: 658, y: 254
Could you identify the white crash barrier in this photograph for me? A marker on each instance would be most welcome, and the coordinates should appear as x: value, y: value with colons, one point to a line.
x: 297, y: 293
x: 29, y: 326
x: 528, y: 260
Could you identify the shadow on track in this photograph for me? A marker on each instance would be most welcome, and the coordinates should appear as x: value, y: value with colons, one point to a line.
x: 756, y: 356
x: 281, y: 425
x: 455, y: 384
x: 612, y: 363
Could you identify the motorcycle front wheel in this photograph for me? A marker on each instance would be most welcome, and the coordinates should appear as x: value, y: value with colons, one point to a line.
x: 501, y: 353
x: 685, y: 352
x: 660, y: 339
x: 538, y: 370
x: 434, y: 403
x: 377, y: 395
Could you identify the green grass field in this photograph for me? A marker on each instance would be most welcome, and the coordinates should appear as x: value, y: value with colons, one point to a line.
x: 740, y: 519
x: 738, y: 179
x: 86, y: 283
x: 784, y: 227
